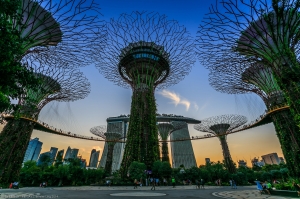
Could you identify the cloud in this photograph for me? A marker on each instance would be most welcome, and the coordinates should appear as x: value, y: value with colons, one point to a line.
x: 177, y: 99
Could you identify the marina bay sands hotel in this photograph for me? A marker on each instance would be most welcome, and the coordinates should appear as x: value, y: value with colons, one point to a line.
x: 182, y: 152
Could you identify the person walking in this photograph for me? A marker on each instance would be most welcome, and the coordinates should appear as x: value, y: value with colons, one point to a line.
x: 153, y: 185
x: 135, y: 183
x: 234, y: 184
x: 230, y: 182
x: 173, y: 182
x: 202, y: 183
x: 165, y: 182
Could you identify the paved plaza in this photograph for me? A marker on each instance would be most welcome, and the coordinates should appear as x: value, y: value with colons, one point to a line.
x: 91, y: 192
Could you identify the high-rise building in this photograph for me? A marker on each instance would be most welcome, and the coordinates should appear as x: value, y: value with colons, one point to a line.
x: 256, y: 162
x: 94, y: 159
x: 53, y: 151
x: 271, y: 158
x: 281, y: 159
x: 122, y: 122
x: 207, y: 160
x: 33, y: 150
x: 242, y: 163
x: 40, y: 160
x: 182, y: 152
x: 93, y: 151
x: 71, y: 153
x: 60, y: 153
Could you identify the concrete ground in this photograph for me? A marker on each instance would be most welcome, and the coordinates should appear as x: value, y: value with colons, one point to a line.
x: 117, y: 192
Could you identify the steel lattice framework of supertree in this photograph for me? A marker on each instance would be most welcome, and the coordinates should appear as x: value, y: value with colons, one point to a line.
x: 259, y: 79
x: 255, y: 31
x: 164, y: 130
x: 146, y: 51
x: 220, y: 126
x: 65, y: 30
x: 112, y: 134
x: 57, y: 83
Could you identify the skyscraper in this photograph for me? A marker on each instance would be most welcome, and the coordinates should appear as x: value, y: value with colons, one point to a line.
x: 182, y: 152
x: 53, y: 151
x: 271, y: 158
x: 94, y: 159
x: 33, y: 150
x: 122, y: 122
x: 93, y: 151
x: 71, y: 153
x: 41, y: 158
x: 207, y: 160
x: 60, y: 153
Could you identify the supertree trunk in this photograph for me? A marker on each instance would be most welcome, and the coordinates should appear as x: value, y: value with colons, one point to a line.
x: 109, y: 159
x: 226, y: 154
x: 165, y: 152
x: 14, y: 140
x: 142, y: 137
x: 287, y: 74
x: 288, y: 134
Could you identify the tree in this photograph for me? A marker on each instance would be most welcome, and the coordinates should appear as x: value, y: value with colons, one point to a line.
x: 62, y: 173
x: 137, y: 170
x: 165, y: 170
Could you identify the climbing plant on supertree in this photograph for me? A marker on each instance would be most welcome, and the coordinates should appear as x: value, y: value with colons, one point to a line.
x: 257, y: 78
x: 112, y: 134
x: 56, y: 84
x: 146, y: 51
x: 257, y: 31
x: 220, y: 126
x: 164, y: 130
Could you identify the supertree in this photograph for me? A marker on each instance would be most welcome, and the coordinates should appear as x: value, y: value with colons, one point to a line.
x: 112, y: 134
x: 259, y: 79
x: 255, y: 31
x: 220, y: 126
x: 146, y: 51
x: 164, y: 130
x: 59, y: 30
x: 56, y: 84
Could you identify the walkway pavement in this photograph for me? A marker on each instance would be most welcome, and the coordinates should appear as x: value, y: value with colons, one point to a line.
x: 127, y: 192
x: 246, y: 194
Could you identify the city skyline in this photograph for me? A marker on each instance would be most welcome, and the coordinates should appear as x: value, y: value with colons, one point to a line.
x: 193, y: 97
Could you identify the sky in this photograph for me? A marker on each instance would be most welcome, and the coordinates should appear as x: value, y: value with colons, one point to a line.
x: 193, y: 97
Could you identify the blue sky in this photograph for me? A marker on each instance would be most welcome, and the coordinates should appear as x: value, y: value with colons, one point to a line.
x: 192, y: 97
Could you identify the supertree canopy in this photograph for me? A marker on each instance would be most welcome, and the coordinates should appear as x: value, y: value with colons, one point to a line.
x: 68, y: 29
x: 164, y: 130
x: 146, y: 51
x: 259, y: 79
x: 255, y: 31
x: 220, y: 126
x: 112, y: 134
x: 56, y: 83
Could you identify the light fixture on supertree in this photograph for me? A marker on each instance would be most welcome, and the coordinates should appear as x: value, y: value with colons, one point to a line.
x: 164, y: 130
x: 57, y: 83
x: 259, y: 79
x: 260, y: 32
x: 220, y: 126
x: 146, y: 51
x: 112, y: 134
x: 63, y: 30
